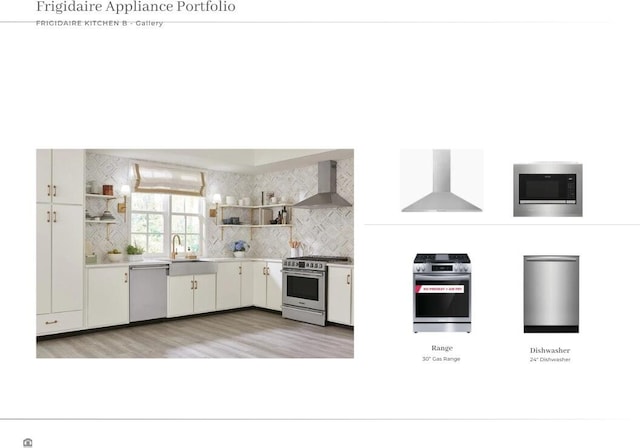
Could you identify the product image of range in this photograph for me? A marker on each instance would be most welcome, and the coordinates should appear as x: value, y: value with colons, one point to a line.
x: 442, y: 292
x: 547, y: 189
x: 551, y: 293
x: 441, y: 199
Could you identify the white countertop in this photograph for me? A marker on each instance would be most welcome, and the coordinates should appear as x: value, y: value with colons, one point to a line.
x: 163, y: 261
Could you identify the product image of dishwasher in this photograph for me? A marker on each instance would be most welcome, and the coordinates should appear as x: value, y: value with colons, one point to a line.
x: 551, y: 293
x: 148, y: 292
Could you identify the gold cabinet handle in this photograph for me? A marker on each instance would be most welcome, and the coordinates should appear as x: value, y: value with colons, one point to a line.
x: 196, y: 282
x: 48, y: 190
x: 239, y: 270
x: 48, y: 216
x: 55, y: 216
x: 264, y: 270
x: 54, y: 191
x: 51, y: 322
x: 348, y: 279
x: 268, y: 270
x: 126, y: 277
x: 192, y: 284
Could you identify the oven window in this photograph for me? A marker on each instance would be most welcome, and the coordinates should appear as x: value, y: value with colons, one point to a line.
x: 303, y: 287
x: 547, y: 187
x: 442, y: 298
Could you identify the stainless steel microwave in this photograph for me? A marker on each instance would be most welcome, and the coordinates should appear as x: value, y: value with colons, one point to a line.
x: 547, y: 189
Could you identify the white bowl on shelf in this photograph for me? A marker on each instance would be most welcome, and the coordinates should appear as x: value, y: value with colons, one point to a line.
x: 115, y: 258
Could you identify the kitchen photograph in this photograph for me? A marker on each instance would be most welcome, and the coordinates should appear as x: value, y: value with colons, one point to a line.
x: 221, y: 253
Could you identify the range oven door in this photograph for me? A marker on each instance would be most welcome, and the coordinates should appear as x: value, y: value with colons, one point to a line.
x: 306, y: 289
x: 442, y: 298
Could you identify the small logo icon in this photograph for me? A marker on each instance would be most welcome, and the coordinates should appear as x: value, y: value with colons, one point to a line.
x: 27, y: 442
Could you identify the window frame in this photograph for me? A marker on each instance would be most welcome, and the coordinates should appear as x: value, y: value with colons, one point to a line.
x: 168, y: 232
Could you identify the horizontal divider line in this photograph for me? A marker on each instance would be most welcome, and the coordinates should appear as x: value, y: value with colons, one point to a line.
x: 308, y: 22
x: 319, y: 419
x: 499, y: 224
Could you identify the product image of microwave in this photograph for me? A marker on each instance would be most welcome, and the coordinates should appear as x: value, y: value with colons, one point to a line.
x: 547, y: 189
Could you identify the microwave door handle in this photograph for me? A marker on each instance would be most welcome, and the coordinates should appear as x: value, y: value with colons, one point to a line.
x: 442, y: 277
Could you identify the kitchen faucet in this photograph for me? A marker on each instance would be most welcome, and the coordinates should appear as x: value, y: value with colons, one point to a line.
x: 173, y: 246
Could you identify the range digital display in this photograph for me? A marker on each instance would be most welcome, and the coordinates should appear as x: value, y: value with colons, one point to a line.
x: 441, y: 268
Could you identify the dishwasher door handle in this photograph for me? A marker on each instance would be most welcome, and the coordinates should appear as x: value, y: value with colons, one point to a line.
x: 147, y: 268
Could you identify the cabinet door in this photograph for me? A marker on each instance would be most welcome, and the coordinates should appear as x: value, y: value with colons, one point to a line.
x: 68, y: 176
x: 259, y: 284
x: 67, y: 258
x: 246, y: 288
x: 107, y: 296
x: 229, y: 286
x: 274, y: 285
x: 43, y: 258
x: 180, y: 297
x: 339, y: 295
x: 204, y: 294
x: 43, y: 175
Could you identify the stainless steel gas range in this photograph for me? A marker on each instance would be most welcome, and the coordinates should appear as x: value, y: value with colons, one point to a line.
x: 304, y: 287
x: 442, y: 292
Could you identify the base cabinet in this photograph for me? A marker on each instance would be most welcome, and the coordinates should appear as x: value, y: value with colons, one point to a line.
x: 267, y: 285
x: 235, y: 285
x: 191, y: 294
x: 340, y: 295
x: 107, y: 296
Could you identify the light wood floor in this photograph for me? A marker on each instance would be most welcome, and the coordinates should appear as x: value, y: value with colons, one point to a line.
x: 247, y: 333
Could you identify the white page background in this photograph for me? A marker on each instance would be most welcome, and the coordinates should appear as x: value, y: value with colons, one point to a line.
x: 518, y: 92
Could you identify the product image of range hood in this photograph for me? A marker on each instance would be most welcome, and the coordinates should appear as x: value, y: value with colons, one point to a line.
x: 326, y: 196
x: 442, y: 199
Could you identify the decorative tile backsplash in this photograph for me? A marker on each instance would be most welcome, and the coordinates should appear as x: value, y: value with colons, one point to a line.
x: 321, y: 231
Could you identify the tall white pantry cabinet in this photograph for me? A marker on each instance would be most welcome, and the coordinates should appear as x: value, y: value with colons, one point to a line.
x: 59, y: 240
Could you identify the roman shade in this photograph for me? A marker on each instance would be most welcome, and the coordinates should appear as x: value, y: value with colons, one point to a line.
x: 151, y: 178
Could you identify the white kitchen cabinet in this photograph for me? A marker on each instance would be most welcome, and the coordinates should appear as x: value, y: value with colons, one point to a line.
x: 340, y: 295
x: 191, y: 294
x: 59, y: 240
x: 267, y: 285
x: 246, y: 288
x: 229, y: 288
x: 60, y: 176
x: 235, y: 285
x: 204, y: 293
x: 259, y: 284
x: 59, y: 263
x: 107, y: 296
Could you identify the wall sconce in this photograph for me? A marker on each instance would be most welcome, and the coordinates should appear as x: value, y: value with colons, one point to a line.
x: 122, y: 206
x: 216, y: 199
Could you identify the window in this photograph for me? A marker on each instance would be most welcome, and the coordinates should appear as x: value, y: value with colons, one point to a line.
x: 155, y: 218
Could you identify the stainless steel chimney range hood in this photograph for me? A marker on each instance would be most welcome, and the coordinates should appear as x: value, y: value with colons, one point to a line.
x: 442, y: 199
x: 327, y: 197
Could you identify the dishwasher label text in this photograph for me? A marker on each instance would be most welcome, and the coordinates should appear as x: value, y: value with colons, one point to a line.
x: 440, y: 289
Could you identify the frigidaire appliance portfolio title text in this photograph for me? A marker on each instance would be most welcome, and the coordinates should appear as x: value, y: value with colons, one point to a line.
x: 132, y: 7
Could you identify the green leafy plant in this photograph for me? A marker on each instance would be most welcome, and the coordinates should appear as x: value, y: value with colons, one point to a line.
x: 134, y: 249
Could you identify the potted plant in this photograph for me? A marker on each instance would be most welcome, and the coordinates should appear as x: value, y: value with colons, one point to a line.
x: 114, y: 255
x: 239, y: 248
x: 135, y: 252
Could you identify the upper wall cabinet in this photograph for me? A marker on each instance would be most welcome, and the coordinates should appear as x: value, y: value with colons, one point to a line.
x: 56, y: 179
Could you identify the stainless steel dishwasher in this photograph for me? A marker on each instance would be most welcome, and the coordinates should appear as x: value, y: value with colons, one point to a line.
x: 148, y: 292
x: 551, y: 293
